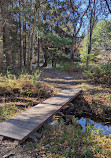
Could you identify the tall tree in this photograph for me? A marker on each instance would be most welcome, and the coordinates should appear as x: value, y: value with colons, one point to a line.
x: 20, y: 35
x: 1, y: 41
x: 6, y: 36
x: 24, y: 43
x: 92, y: 23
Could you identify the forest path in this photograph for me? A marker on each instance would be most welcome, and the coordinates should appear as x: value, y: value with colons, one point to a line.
x: 60, y: 80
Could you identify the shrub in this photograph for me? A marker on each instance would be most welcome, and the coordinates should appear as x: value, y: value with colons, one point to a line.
x: 99, y: 73
x: 68, y: 67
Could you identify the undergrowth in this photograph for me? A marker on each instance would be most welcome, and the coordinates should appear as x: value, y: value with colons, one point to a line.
x: 20, y: 92
x: 100, y: 73
x: 70, y: 141
x: 9, y: 111
x: 25, y: 84
x: 69, y: 67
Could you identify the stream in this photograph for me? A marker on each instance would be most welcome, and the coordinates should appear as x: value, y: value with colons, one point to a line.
x: 85, y: 122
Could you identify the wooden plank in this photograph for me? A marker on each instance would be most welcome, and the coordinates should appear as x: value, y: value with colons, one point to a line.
x: 24, y: 124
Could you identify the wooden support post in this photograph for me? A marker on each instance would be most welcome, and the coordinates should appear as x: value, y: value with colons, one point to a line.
x: 16, y: 142
x: 1, y: 138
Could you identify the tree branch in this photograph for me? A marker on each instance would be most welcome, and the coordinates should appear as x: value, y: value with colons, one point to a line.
x: 108, y: 6
x: 83, y: 16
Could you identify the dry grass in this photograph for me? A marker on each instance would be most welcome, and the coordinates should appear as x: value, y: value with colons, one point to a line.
x: 18, y: 93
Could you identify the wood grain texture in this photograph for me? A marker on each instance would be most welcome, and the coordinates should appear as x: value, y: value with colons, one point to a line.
x: 24, y: 124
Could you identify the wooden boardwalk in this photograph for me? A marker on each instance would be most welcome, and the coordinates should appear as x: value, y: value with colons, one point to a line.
x: 23, y: 125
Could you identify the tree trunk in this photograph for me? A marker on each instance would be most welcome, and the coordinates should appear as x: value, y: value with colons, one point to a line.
x: 45, y: 59
x: 73, y: 44
x: 14, y: 36
x: 53, y: 62
x: 38, y: 45
x: 92, y: 23
x: 29, y: 49
x: 20, y: 36
x: 32, y: 52
x: 14, y: 45
x: 24, y: 43
x: 1, y: 42
x: 6, y: 37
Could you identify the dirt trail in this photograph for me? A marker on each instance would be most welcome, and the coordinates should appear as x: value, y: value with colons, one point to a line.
x: 60, y: 80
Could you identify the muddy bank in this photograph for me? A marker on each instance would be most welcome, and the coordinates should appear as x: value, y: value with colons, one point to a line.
x: 82, y: 108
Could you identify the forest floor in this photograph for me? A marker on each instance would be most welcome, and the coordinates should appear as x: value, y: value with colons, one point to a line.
x: 96, y: 95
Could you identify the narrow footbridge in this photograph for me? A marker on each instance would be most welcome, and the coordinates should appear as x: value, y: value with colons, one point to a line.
x: 23, y: 125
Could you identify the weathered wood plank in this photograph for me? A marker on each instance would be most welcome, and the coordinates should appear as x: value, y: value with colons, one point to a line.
x: 24, y: 124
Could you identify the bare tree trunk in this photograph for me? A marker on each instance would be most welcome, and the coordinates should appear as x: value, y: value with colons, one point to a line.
x: 90, y: 41
x: 32, y: 52
x: 45, y: 58
x: 53, y: 60
x: 1, y: 42
x: 73, y: 41
x: 14, y: 46
x: 24, y: 43
x: 33, y: 37
x: 6, y: 40
x: 20, y: 36
x: 73, y: 44
x: 92, y: 23
x: 29, y: 49
x: 38, y: 45
x: 14, y: 36
x: 45, y: 48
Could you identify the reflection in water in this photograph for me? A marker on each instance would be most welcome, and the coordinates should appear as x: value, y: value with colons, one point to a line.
x: 85, y: 122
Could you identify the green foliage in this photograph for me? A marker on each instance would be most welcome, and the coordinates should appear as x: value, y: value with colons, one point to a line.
x: 10, y: 110
x: 65, y: 66
x: 56, y: 40
x: 55, y: 46
x: 68, y: 67
x: 101, y: 39
x: 101, y: 34
x: 99, y: 73
x: 88, y: 153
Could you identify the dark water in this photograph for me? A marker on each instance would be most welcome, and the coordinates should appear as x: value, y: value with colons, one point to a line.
x: 85, y: 122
